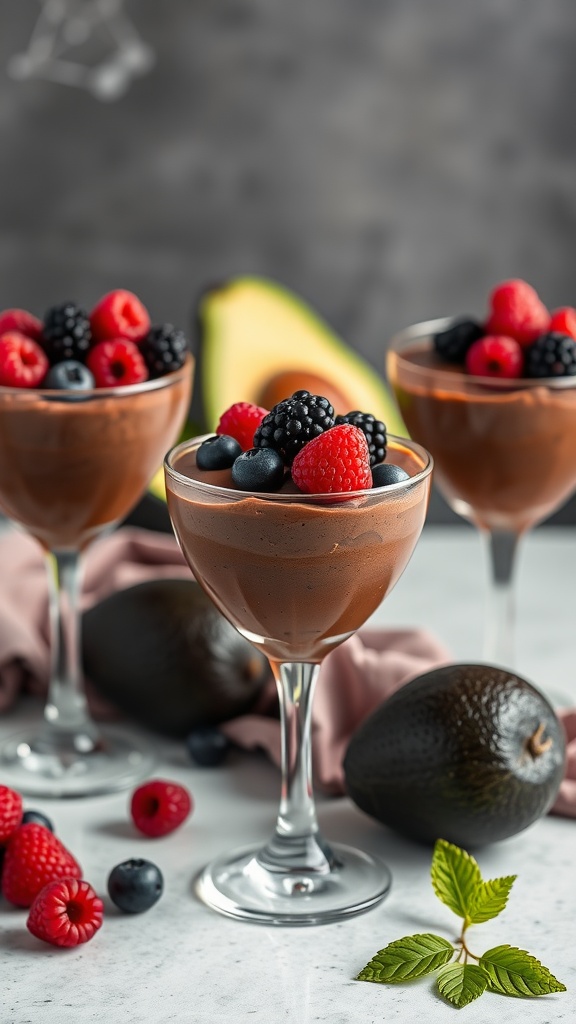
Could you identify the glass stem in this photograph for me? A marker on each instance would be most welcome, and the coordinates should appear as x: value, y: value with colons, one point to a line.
x: 500, y: 611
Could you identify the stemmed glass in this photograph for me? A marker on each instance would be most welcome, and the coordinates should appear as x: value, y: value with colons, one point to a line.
x: 72, y: 465
x: 297, y: 575
x: 504, y: 454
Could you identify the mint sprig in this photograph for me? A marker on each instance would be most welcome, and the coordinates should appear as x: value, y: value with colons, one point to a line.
x: 458, y: 883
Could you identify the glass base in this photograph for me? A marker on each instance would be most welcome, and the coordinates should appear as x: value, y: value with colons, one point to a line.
x: 237, y: 885
x: 48, y: 765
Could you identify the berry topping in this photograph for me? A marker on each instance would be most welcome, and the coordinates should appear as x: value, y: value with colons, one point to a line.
x: 164, y: 350
x: 563, y: 321
x: 207, y: 747
x: 293, y: 423
x: 552, y: 355
x: 22, y: 321
x: 65, y: 913
x: 495, y: 356
x: 135, y: 885
x: 338, y: 460
x: 69, y: 375
x: 159, y: 806
x: 116, y: 362
x: 453, y: 343
x: 259, y: 469
x: 241, y: 421
x: 33, y: 858
x: 23, y: 364
x: 517, y: 312
x: 37, y: 818
x: 66, y: 333
x: 218, y: 452
x: 387, y: 473
x: 374, y: 431
x: 119, y: 314
x: 10, y: 812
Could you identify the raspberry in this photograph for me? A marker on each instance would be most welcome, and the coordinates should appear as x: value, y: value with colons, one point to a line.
x: 241, y: 421
x: 22, y: 321
x: 116, y: 362
x: 563, y: 321
x: 293, y: 422
x: 66, y: 333
x: 337, y: 460
x: 164, y: 349
x: 373, y: 430
x: 10, y: 812
x: 159, y: 806
x: 65, y: 913
x: 34, y: 857
x: 517, y: 312
x: 495, y: 356
x: 119, y: 314
x: 552, y: 355
x: 23, y: 364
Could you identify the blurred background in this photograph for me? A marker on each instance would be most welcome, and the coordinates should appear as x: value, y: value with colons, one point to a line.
x: 389, y: 160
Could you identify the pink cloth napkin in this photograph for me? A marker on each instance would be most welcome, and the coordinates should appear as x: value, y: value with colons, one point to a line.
x: 354, y: 679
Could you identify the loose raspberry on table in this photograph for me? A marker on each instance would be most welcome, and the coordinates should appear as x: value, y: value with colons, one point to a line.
x: 34, y: 857
x: 159, y: 806
x: 563, y: 321
x: 337, y: 460
x: 495, y: 356
x: 119, y: 314
x: 10, y: 812
x: 65, y: 913
x: 22, y: 321
x: 23, y: 364
x: 241, y: 421
x: 115, y: 363
x: 516, y: 311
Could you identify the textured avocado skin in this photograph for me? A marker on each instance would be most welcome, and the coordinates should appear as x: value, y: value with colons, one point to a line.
x: 447, y: 757
x: 164, y: 655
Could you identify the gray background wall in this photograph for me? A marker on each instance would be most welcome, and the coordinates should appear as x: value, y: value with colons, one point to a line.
x: 388, y: 159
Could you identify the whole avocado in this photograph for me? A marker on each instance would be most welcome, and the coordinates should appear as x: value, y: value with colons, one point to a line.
x: 165, y: 656
x: 468, y: 753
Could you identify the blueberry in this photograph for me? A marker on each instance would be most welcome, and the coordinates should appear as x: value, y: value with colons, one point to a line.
x: 387, y: 473
x: 258, y: 469
x: 69, y: 375
x: 207, y: 747
x: 37, y: 818
x: 218, y: 452
x: 135, y: 885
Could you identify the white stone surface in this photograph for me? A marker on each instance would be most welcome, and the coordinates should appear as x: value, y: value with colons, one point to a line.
x: 183, y: 964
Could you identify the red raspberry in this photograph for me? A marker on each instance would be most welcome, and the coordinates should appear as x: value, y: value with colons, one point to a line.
x: 34, y: 857
x: 116, y: 362
x: 22, y: 321
x: 240, y: 421
x: 563, y: 321
x: 120, y: 314
x: 159, y: 806
x: 10, y: 812
x: 517, y: 312
x: 23, y: 364
x: 65, y: 913
x: 494, y: 356
x: 337, y: 460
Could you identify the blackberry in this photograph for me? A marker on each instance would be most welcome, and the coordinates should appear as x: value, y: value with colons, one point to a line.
x: 66, y: 333
x: 293, y: 422
x: 373, y: 430
x: 453, y: 343
x: 551, y: 355
x: 164, y: 349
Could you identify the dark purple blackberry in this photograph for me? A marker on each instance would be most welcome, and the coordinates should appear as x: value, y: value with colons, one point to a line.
x: 373, y: 430
x: 293, y: 422
x: 164, y: 349
x: 453, y: 343
x: 66, y: 333
x: 551, y: 355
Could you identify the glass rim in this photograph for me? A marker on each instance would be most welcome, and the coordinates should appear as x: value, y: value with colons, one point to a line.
x: 427, y: 328
x: 72, y: 395
x: 333, y: 497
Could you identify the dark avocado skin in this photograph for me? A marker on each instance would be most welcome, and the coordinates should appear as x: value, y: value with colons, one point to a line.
x: 447, y: 757
x: 166, y: 657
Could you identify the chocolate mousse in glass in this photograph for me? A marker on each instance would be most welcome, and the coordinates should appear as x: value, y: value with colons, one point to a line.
x: 297, y: 575
x: 504, y: 454
x: 72, y: 465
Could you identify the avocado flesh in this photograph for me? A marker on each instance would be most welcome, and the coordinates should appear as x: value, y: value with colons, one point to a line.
x: 457, y: 754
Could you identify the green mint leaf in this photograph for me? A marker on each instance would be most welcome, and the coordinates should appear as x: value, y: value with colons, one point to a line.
x: 461, y: 983
x: 490, y: 899
x: 456, y: 878
x: 407, y: 958
x: 514, y: 972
